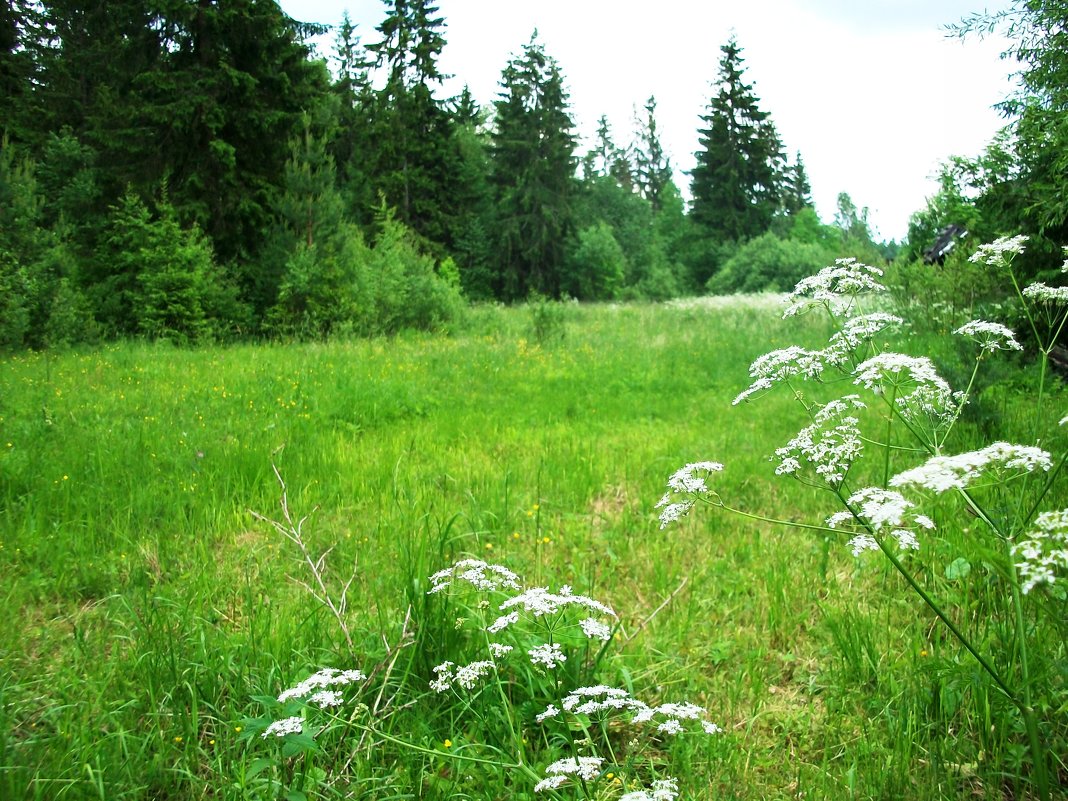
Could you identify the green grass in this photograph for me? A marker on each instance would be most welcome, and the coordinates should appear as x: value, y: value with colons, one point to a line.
x: 145, y: 605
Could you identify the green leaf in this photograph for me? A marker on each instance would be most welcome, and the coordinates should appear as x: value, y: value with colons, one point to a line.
x: 959, y: 568
x: 295, y: 795
x: 257, y: 767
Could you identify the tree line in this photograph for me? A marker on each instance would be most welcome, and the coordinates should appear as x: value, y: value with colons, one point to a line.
x: 190, y: 169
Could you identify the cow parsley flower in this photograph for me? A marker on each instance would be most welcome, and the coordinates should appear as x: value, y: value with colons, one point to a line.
x: 550, y: 655
x: 829, y: 450
x: 834, y: 287
x: 599, y: 698
x: 782, y: 365
x: 669, y: 717
x: 660, y: 790
x: 325, y: 678
x: 994, y: 253
x: 990, y: 336
x: 467, y: 676
x: 881, y: 510
x: 481, y: 575
x: 280, y: 728
x: 325, y: 699
x: 585, y: 767
x: 539, y: 601
x: 595, y: 629
x: 684, y: 482
x: 1043, y: 556
x: 498, y: 649
x: 1005, y: 460
x: 930, y: 395
x: 855, y: 332
x: 1046, y: 294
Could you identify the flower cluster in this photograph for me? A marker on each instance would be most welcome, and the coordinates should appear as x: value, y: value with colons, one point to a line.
x: 994, y: 253
x: 481, y: 575
x: 878, y: 509
x: 661, y: 790
x: 548, y: 654
x: 990, y: 336
x: 834, y: 287
x: 684, y: 483
x: 1046, y: 294
x: 855, y: 332
x: 558, y: 773
x: 930, y: 395
x: 280, y: 728
x: 782, y: 365
x: 829, y: 450
x: 467, y: 676
x: 668, y: 717
x: 941, y: 473
x: 325, y: 678
x: 1044, y: 554
x: 538, y: 601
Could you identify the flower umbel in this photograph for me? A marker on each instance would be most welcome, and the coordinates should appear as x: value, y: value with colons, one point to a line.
x: 1043, y: 556
x: 686, y: 484
x: 1005, y: 460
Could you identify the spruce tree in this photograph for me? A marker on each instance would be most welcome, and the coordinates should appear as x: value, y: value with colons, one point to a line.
x: 736, y: 184
x: 533, y: 175
x: 796, y: 190
x: 652, y: 168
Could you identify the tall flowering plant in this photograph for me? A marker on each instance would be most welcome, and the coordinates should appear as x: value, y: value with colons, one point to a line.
x: 917, y: 412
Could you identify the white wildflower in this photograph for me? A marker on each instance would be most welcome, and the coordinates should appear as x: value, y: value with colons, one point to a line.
x: 941, y: 473
x: 855, y: 332
x: 782, y: 365
x: 711, y: 728
x: 834, y: 287
x: 325, y: 699
x: 661, y: 790
x: 280, y: 728
x: 599, y: 698
x: 481, y: 575
x: 1064, y: 267
x: 990, y: 336
x: 595, y: 629
x: 499, y: 649
x: 550, y: 655
x: 1046, y: 294
x: 995, y: 252
x: 466, y: 676
x: 538, y: 601
x: 669, y: 717
x: 550, y: 712
x: 586, y: 768
x: 503, y: 622
x: 930, y: 394
x: 327, y: 677
x: 830, y: 451
x: 1044, y: 554
x: 684, y: 482
x: 881, y: 509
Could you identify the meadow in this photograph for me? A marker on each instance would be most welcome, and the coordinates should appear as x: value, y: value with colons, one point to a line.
x: 150, y: 611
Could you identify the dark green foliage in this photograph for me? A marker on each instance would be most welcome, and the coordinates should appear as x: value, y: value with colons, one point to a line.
x: 796, y: 190
x: 769, y: 263
x: 154, y: 278
x: 597, y: 266
x: 533, y: 175
x: 652, y: 168
x: 736, y: 184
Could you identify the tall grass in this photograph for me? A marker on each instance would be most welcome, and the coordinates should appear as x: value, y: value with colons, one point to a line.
x: 147, y: 606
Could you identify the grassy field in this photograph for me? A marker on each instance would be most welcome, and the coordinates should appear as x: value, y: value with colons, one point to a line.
x: 146, y: 607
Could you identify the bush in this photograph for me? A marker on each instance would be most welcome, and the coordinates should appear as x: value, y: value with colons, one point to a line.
x: 768, y: 263
x: 597, y: 266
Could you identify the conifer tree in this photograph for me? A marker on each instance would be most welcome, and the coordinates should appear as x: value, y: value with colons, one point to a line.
x: 533, y: 174
x: 736, y: 184
x: 652, y: 168
x: 796, y: 190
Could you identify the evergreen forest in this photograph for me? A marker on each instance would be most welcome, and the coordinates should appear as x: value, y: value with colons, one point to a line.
x: 195, y: 171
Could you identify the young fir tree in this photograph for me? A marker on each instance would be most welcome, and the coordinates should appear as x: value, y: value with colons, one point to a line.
x: 353, y: 137
x: 652, y: 168
x: 796, y: 190
x: 533, y: 175
x: 736, y: 184
x: 413, y: 163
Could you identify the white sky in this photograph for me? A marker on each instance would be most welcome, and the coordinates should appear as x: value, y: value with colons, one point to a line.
x: 871, y: 92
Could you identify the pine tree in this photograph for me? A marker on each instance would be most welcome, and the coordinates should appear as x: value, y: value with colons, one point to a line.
x: 736, y: 184
x: 533, y: 175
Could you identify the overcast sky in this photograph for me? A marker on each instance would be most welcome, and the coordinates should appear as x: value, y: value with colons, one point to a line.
x: 871, y: 92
